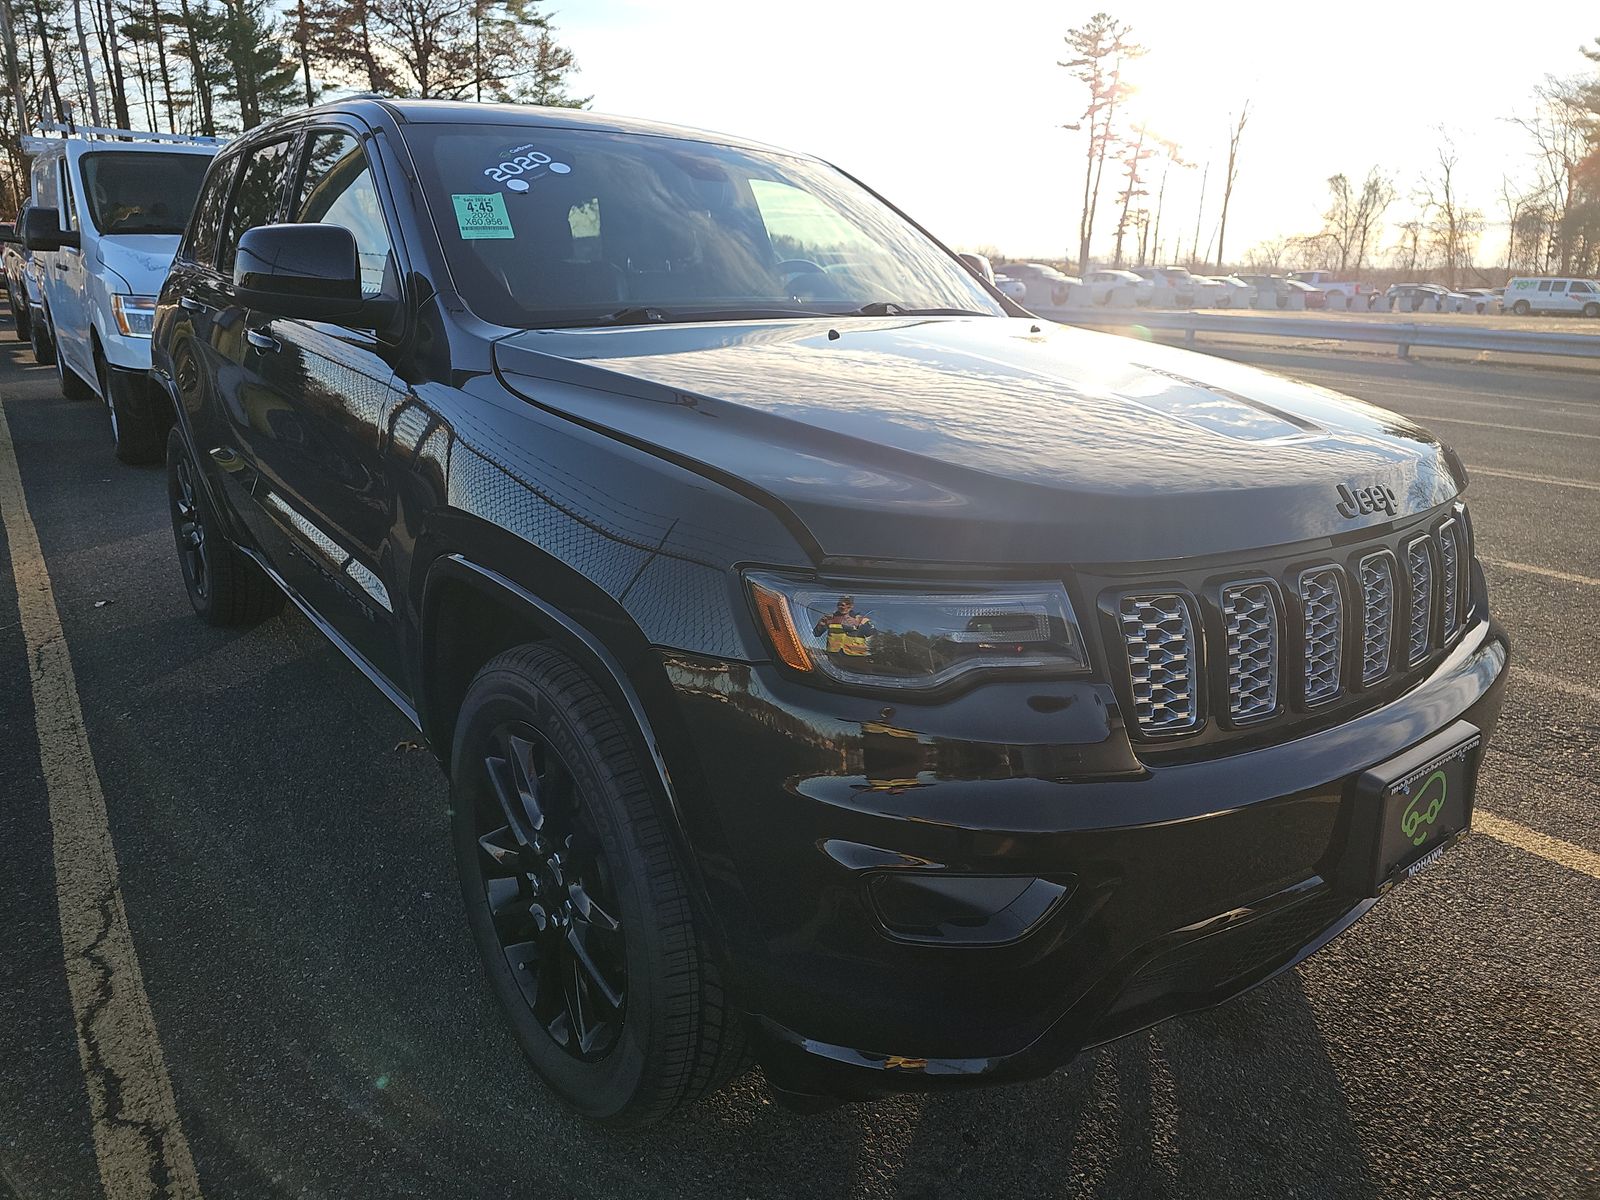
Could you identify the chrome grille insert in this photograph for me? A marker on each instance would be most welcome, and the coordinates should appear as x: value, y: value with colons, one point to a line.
x: 1419, y: 569
x: 1322, y: 609
x: 1449, y: 578
x: 1159, y: 633
x: 1252, y: 626
x: 1377, y: 614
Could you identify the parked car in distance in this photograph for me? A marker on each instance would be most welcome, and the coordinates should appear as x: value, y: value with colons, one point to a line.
x: 106, y: 210
x: 1015, y: 289
x: 1177, y: 279
x: 1045, y: 287
x: 1326, y: 282
x: 21, y: 293
x: 1236, y: 293
x: 835, y: 663
x: 1106, y: 283
x: 1417, y: 297
x: 1312, y: 297
x: 1532, y: 295
x: 1480, y: 300
x: 1270, y: 291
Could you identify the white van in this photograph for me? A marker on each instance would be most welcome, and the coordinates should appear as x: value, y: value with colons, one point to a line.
x: 106, y: 210
x: 1524, y: 296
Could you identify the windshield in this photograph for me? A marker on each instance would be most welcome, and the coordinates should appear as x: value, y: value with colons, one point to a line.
x: 143, y: 191
x: 564, y: 226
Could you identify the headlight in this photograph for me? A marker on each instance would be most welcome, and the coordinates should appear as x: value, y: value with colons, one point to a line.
x: 136, y: 315
x: 917, y: 638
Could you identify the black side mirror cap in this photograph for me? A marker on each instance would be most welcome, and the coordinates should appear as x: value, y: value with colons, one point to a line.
x: 41, y: 230
x: 307, y: 272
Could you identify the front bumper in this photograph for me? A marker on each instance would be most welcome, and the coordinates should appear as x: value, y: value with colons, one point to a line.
x: 1141, y: 891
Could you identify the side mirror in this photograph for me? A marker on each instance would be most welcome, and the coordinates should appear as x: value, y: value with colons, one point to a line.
x: 980, y: 266
x: 41, y: 230
x: 305, y: 272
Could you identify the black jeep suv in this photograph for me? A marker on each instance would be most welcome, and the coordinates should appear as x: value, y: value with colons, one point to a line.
x: 831, y: 661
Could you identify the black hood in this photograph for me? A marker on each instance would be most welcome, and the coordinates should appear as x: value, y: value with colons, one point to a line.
x: 978, y: 440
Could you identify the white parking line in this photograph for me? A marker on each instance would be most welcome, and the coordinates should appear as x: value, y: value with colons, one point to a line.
x: 1555, y: 480
x: 1529, y: 568
x: 138, y: 1140
x: 1555, y: 683
x: 1563, y: 854
x: 1560, y: 433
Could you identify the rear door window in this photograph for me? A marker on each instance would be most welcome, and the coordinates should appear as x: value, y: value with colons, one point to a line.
x: 206, y: 224
x: 1544, y: 285
x: 257, y: 199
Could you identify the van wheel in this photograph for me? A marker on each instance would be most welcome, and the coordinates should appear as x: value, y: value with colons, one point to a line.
x: 135, y: 435
x: 576, y: 900
x: 1522, y: 308
x: 72, y: 385
x: 44, y: 346
x: 1591, y: 309
x: 225, y: 587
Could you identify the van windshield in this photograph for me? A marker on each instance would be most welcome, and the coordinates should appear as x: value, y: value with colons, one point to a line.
x: 142, y: 191
x: 547, y: 226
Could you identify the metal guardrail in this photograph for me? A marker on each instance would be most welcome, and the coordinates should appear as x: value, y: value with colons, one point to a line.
x: 1403, y: 335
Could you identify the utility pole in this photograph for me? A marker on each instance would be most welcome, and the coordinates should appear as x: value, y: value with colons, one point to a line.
x: 1194, y: 251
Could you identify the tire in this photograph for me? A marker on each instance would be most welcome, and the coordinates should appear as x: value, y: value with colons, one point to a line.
x: 1522, y: 308
x: 19, y: 315
x: 137, y: 437
x: 24, y: 321
x: 72, y: 385
x: 1591, y: 309
x: 535, y: 727
x: 225, y: 587
x: 44, y: 346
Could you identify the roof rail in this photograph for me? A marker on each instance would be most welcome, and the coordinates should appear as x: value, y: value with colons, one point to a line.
x: 127, y: 135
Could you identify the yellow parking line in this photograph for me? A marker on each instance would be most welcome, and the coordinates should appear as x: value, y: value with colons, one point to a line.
x: 1529, y: 568
x: 1563, y: 854
x: 138, y: 1140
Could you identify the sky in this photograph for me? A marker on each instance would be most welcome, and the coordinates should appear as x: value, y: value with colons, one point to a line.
x: 954, y: 110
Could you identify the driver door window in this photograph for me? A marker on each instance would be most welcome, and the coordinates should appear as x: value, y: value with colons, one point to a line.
x: 338, y: 189
x: 256, y: 199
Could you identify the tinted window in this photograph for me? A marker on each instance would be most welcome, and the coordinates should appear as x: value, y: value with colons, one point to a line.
x: 1544, y: 285
x: 562, y: 226
x: 256, y: 199
x: 69, y: 205
x: 207, y: 222
x: 338, y: 190
x: 141, y: 192
x: 1580, y: 286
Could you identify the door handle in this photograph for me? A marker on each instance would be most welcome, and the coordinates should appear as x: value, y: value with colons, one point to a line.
x: 263, y: 341
x: 191, y: 304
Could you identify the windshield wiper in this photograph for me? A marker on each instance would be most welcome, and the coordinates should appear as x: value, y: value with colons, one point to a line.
x: 892, y: 308
x: 644, y: 314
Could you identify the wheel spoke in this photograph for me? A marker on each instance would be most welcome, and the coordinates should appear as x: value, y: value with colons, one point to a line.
x: 588, y: 910
x: 591, y: 970
x: 502, y: 848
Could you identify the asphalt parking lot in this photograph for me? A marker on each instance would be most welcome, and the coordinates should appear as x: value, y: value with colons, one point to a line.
x: 287, y: 883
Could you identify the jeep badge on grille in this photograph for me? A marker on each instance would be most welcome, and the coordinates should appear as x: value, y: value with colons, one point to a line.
x: 1366, y: 500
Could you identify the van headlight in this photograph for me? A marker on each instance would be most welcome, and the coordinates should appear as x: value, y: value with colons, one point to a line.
x: 136, y: 315
x: 917, y: 637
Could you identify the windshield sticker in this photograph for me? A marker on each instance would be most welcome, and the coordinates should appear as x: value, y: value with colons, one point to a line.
x: 482, y: 216
x: 520, y: 166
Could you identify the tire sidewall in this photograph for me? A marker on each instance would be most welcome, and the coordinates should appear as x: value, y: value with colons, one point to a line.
x: 604, y: 1088
x: 202, y: 603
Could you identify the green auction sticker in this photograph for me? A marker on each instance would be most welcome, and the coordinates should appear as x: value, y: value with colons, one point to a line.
x: 482, y: 216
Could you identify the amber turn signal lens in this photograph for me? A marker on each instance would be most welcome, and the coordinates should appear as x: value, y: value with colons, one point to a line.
x: 778, y: 625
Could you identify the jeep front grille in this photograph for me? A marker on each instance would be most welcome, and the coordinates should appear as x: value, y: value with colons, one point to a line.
x: 1377, y: 614
x: 1450, y: 576
x: 1322, y: 610
x: 1251, y: 617
x: 1277, y: 641
x: 1159, y: 633
x: 1419, y: 566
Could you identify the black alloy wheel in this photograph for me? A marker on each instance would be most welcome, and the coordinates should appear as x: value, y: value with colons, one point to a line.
x: 224, y: 584
x: 188, y: 529
x: 577, y: 898
x: 552, y: 894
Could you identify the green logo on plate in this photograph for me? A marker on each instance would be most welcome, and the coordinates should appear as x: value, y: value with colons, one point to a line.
x: 1424, y: 808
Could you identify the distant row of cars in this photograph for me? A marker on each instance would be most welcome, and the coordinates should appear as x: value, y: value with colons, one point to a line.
x: 1038, y: 285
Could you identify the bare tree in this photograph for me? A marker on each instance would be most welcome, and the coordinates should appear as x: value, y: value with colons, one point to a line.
x: 1100, y: 47
x: 1266, y: 256
x: 1559, y: 128
x: 1234, y: 137
x: 1453, y: 227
